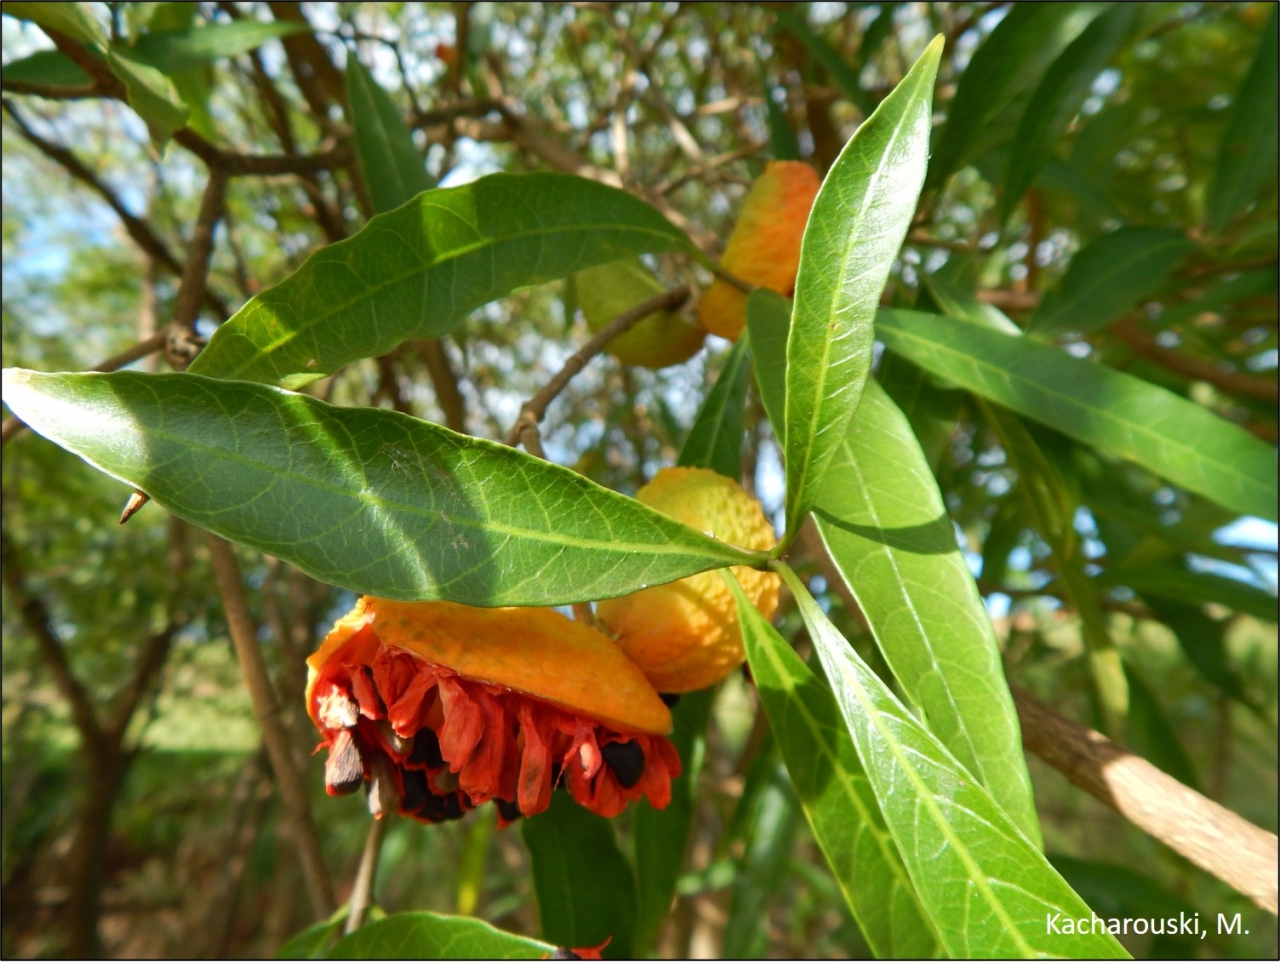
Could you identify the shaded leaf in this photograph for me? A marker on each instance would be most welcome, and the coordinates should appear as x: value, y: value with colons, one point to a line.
x: 392, y: 166
x: 176, y: 50
x: 1059, y: 96
x: 715, y: 440
x: 313, y: 942
x: 662, y: 837
x: 783, y: 144
x: 1151, y: 735
x: 51, y: 67
x: 837, y: 798
x: 1002, y: 71
x: 1176, y: 583
x: 1119, y: 414
x: 418, y: 270
x: 841, y: 72
x: 1247, y: 152
x: 366, y: 499
x: 856, y: 227
x: 425, y: 935
x: 1201, y: 640
x: 986, y: 887
x: 768, y: 323
x: 586, y: 892
x: 1109, y: 278
x: 151, y: 94
x: 73, y: 19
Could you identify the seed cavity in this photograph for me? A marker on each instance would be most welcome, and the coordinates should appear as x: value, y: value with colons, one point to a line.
x: 626, y: 760
x: 426, y: 749
x: 509, y: 811
x: 344, y: 769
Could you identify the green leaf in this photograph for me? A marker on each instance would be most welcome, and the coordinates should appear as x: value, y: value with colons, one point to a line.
x: 1001, y: 73
x: 392, y: 166
x: 151, y: 94
x: 882, y: 518
x: 367, y: 499
x: 662, y: 837
x: 768, y: 324
x: 1201, y: 640
x: 1119, y: 414
x: 715, y: 440
x: 1247, y: 284
x: 586, y: 892
x: 177, y: 50
x: 425, y: 935
x: 837, y: 798
x: 1109, y: 278
x: 51, y: 67
x: 1176, y: 583
x: 782, y: 139
x: 1059, y: 97
x: 857, y: 225
x: 313, y: 942
x: 841, y: 72
x: 73, y: 19
x: 986, y: 887
x: 1247, y: 153
x: 1151, y: 735
x: 418, y: 270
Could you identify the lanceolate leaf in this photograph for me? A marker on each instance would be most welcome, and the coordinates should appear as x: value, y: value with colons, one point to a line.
x: 586, y: 892
x: 715, y: 441
x: 1109, y: 278
x: 425, y: 935
x: 393, y: 168
x: 855, y: 230
x: 835, y: 793
x: 1059, y: 97
x: 367, y: 499
x: 177, y: 50
x: 418, y: 270
x: 73, y: 19
x: 1120, y: 415
x: 884, y: 523
x: 151, y: 94
x: 881, y: 516
x: 988, y: 890
x: 1247, y: 154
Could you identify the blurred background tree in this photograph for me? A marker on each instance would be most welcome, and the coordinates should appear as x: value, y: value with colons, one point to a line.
x: 1108, y: 182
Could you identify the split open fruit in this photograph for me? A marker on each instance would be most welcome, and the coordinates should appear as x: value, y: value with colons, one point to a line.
x: 440, y: 707
x: 685, y: 635
x: 764, y: 248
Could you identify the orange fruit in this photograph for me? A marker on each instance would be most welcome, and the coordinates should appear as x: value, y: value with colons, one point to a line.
x: 440, y: 707
x: 764, y: 248
x: 685, y: 635
x: 659, y: 340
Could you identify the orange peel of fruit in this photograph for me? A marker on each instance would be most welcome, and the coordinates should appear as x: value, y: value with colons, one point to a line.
x: 445, y: 707
x: 685, y: 635
x: 764, y: 248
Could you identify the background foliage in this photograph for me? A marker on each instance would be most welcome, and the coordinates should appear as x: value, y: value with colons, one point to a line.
x: 1102, y: 177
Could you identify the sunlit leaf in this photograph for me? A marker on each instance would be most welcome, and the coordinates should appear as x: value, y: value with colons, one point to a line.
x: 420, y: 269
x: 586, y: 892
x: 366, y: 499
x: 73, y: 19
x: 1119, y: 414
x: 985, y: 886
x: 857, y: 225
x: 393, y: 168
x: 425, y: 935
x: 837, y: 798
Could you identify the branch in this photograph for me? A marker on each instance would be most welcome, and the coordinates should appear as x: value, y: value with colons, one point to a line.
x: 1233, y: 382
x: 135, y: 227
x: 40, y: 623
x: 1214, y: 838
x: 445, y: 382
x: 293, y: 787
x: 535, y: 409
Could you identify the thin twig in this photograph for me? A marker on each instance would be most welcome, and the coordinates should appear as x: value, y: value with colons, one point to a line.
x: 535, y: 409
x: 1233, y: 382
x: 366, y: 874
x: 293, y: 787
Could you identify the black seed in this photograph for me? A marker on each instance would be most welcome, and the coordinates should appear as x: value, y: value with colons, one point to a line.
x: 560, y: 952
x: 626, y: 759
x: 453, y: 807
x: 669, y: 699
x: 344, y: 769
x: 416, y: 791
x: 382, y: 705
x: 426, y: 749
x: 509, y: 811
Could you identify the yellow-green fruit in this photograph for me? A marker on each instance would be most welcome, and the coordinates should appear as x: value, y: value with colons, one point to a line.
x: 661, y: 339
x: 685, y: 635
x: 764, y: 248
